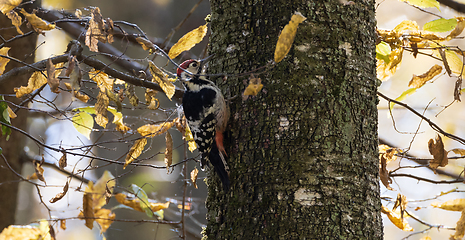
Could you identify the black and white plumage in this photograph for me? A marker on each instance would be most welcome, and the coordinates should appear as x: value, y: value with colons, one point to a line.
x: 207, y: 115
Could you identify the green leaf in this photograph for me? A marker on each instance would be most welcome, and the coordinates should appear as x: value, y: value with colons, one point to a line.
x: 5, y: 118
x: 383, y: 50
x: 423, y: 3
x: 404, y: 95
x: 440, y: 25
x: 83, y: 122
x: 144, y: 200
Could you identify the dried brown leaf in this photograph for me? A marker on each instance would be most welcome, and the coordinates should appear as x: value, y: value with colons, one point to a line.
x: 96, y: 30
x: 63, y: 162
x: 39, y: 171
x: 383, y: 172
x: 101, y: 109
x: 135, y: 151
x: 459, y: 151
x: 420, y: 80
x: 194, y: 174
x: 104, y: 82
x: 60, y: 195
x: 451, y: 205
x: 146, y: 44
x: 458, y: 28
x: 88, y: 210
x: 52, y: 81
x: 438, y: 152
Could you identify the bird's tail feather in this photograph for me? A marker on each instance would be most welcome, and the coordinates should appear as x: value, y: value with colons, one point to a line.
x: 217, y: 159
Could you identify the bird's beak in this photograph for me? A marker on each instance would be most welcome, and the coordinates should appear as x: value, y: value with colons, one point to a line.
x: 204, y: 61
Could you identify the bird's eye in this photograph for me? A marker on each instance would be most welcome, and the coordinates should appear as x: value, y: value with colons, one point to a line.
x: 194, y: 64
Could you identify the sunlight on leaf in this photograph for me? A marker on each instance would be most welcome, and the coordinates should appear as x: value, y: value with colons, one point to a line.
x: 286, y: 38
x: 36, y: 81
x: 83, y: 122
x: 188, y: 41
x: 385, y: 70
x: 423, y: 3
x: 136, y: 203
x: 4, y: 61
x: 406, y: 25
x: 104, y: 82
x: 150, y: 130
x: 194, y: 174
x: 383, y: 50
x: 16, y: 20
x: 162, y: 79
x: 254, y: 87
x: 135, y: 151
x: 22, y: 232
x: 8, y: 5
x: 37, y: 23
x: 396, y: 219
x: 460, y: 228
x: 451, y: 205
x: 440, y: 25
x: 402, y: 96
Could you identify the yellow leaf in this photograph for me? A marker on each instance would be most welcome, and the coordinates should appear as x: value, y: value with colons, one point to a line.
x: 83, y: 122
x: 194, y: 174
x: 3, y: 61
x: 8, y: 5
x: 406, y: 25
x: 103, y: 80
x: 135, y: 151
x: 16, y: 20
x: 387, y: 152
x: 22, y: 232
x: 419, y: 81
x: 254, y: 87
x: 118, y: 120
x: 190, y: 138
x: 438, y: 152
x: 87, y: 205
x: 135, y: 203
x: 101, y: 109
x: 451, y: 205
x: 188, y: 41
x: 385, y: 70
x: 459, y: 151
x: 154, y: 130
x: 63, y: 224
x: 460, y: 228
x: 37, y: 23
x: 396, y: 219
x: 36, y: 81
x: 168, y: 151
x: 11, y: 114
x: 402, y: 96
x: 106, y: 181
x: 162, y: 80
x: 286, y: 38
x: 104, y: 218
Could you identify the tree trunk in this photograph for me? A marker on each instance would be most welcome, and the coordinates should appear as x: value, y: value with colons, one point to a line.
x: 22, y: 49
x: 303, y: 152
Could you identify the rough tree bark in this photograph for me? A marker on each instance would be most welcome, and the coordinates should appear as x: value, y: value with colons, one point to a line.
x: 303, y: 153
x: 22, y: 49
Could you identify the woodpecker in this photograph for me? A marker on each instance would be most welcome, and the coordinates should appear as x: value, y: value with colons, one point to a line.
x: 207, y: 115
